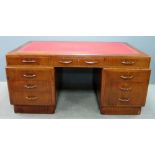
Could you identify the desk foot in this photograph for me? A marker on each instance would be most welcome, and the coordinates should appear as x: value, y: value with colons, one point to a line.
x: 35, y: 109
x: 120, y: 110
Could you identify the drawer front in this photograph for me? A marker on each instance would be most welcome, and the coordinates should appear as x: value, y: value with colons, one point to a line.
x: 30, y: 86
x: 133, y: 75
x: 91, y: 62
x: 127, y: 94
x: 65, y: 61
x: 124, y: 87
x: 22, y: 74
x: 31, y: 98
x: 128, y: 62
x: 27, y: 60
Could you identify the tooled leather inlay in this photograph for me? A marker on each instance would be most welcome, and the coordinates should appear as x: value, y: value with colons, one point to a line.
x: 77, y: 48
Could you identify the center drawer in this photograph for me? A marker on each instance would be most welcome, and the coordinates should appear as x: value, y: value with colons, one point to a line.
x: 65, y: 61
x: 91, y: 61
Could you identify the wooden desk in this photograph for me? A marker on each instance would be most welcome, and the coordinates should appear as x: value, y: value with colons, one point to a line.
x: 123, y: 74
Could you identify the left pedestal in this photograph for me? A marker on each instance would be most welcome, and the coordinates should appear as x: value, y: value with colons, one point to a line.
x: 32, y: 89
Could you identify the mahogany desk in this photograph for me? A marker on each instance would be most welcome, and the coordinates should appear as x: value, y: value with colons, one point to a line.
x: 123, y: 75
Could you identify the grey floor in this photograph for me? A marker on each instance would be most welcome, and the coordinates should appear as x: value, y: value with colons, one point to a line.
x: 74, y: 104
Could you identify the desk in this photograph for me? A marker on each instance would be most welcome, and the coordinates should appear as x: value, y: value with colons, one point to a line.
x: 122, y: 78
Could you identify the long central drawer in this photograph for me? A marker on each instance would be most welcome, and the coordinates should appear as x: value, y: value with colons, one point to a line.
x: 80, y: 61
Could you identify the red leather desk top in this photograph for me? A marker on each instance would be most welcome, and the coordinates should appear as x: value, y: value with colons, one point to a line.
x: 77, y: 48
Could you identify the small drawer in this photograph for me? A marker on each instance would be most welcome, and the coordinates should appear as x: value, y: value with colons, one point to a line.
x: 23, y: 73
x: 29, y: 86
x: 91, y: 62
x: 133, y: 75
x: 31, y: 98
x: 65, y: 61
x: 128, y: 62
x: 131, y: 94
x: 27, y: 60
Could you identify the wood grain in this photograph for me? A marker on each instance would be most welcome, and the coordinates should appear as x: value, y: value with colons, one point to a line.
x: 121, y: 80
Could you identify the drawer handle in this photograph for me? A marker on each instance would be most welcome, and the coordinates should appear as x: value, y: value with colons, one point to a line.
x: 126, y: 77
x: 124, y: 100
x: 66, y: 62
x: 29, y: 76
x: 31, y: 98
x: 91, y: 62
x: 30, y: 86
x: 128, y: 62
x: 125, y: 89
x: 28, y: 61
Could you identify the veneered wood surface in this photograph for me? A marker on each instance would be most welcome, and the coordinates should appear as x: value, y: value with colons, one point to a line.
x: 30, y: 86
x: 32, y: 98
x: 127, y: 75
x: 120, y: 66
x: 26, y: 73
x: 28, y: 60
x: 113, y: 110
x: 42, y: 94
x: 124, y: 92
x: 42, y: 109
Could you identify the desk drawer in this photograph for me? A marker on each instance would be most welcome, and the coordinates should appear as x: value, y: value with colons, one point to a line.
x: 91, y: 62
x: 127, y: 94
x: 128, y: 62
x: 31, y: 98
x: 128, y: 75
x: 22, y: 74
x: 124, y: 87
x: 27, y: 60
x: 30, y: 86
x: 65, y: 61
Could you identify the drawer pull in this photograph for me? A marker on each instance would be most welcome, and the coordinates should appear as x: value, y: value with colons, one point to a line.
x: 91, y: 62
x: 29, y: 76
x: 66, y: 62
x: 124, y: 100
x: 31, y: 98
x: 30, y: 86
x: 128, y: 62
x: 125, y: 89
x: 28, y: 61
x: 126, y: 77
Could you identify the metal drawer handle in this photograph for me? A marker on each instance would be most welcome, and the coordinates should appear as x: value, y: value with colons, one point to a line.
x: 124, y: 100
x: 126, y: 77
x: 91, y: 62
x: 28, y: 61
x: 128, y: 62
x: 125, y: 89
x: 66, y: 62
x: 29, y: 76
x: 31, y: 98
x: 30, y: 86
